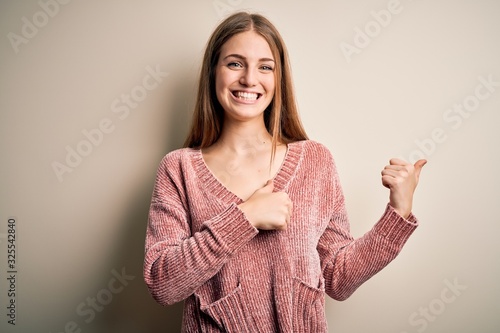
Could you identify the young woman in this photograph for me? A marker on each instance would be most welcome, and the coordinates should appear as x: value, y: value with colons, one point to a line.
x: 247, y: 223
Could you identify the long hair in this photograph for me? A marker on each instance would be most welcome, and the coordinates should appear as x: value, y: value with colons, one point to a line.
x: 281, y: 117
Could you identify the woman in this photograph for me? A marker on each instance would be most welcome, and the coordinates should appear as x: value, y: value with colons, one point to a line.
x: 247, y: 223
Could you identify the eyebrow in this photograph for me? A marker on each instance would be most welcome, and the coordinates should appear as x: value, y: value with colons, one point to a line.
x: 239, y: 56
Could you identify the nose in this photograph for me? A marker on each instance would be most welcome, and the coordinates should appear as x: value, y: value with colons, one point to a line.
x: 249, y: 78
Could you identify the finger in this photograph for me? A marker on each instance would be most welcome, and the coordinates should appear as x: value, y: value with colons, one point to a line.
x: 395, y: 173
x: 281, y: 225
x: 388, y: 181
x: 418, y: 166
x: 269, y: 187
x: 395, y: 167
x: 397, y: 161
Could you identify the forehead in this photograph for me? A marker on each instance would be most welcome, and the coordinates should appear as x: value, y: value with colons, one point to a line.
x: 248, y: 44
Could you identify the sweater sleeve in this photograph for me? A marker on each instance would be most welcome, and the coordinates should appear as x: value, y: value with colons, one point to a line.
x: 347, y: 262
x: 177, y: 262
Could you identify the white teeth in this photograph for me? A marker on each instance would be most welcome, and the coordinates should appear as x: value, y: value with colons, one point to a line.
x: 246, y: 96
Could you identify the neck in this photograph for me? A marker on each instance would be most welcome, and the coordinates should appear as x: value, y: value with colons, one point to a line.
x: 243, y: 137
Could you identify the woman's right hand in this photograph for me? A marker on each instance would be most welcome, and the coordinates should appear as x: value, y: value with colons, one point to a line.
x: 266, y: 210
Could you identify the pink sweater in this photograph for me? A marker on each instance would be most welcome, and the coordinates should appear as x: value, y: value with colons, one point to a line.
x: 234, y: 278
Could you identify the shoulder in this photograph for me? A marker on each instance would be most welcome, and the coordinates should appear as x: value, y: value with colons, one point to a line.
x: 311, y: 157
x: 316, y: 151
x: 174, y: 168
x: 317, y: 166
x: 176, y: 161
x: 178, y: 156
x: 171, y: 174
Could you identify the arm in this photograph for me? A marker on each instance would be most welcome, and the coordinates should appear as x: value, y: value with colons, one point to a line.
x: 348, y: 263
x: 176, y: 262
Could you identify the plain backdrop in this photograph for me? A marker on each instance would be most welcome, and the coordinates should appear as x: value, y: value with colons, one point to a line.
x: 374, y: 80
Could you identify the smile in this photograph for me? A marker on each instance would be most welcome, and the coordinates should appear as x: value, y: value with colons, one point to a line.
x: 246, y: 96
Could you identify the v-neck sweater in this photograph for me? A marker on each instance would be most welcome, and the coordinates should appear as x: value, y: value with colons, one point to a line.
x: 201, y: 248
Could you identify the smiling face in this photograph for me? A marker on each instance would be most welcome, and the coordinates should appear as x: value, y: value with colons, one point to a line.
x: 244, y: 77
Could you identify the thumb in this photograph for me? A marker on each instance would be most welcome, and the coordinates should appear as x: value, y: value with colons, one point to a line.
x: 418, y: 166
x: 269, y: 187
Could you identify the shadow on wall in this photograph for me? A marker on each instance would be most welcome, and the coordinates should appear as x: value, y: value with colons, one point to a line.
x: 136, y: 311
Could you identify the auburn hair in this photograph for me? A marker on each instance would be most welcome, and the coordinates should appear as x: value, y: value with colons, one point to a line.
x: 281, y: 117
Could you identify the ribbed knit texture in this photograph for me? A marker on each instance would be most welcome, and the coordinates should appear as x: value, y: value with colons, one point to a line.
x: 234, y: 278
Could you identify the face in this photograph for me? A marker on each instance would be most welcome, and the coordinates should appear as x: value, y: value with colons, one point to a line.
x: 244, y: 77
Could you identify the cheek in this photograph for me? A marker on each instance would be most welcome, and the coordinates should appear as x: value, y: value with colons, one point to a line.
x: 223, y: 80
x: 269, y: 85
x: 219, y: 86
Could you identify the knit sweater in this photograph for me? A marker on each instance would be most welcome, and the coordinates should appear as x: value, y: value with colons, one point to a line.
x: 200, y: 247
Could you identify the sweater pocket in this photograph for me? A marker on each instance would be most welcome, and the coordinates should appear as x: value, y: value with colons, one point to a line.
x: 308, y: 308
x: 229, y: 313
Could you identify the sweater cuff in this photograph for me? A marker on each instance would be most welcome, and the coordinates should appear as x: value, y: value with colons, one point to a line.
x: 231, y: 228
x: 394, y: 227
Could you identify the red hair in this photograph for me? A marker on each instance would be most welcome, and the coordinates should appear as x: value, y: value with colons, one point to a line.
x: 281, y: 117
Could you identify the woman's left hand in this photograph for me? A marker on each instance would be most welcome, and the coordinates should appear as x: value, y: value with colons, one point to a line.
x: 401, y: 178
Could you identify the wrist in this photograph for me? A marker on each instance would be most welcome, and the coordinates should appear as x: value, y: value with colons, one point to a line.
x: 403, y: 212
x: 244, y: 208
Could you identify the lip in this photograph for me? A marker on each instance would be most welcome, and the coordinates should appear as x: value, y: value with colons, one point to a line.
x: 243, y: 101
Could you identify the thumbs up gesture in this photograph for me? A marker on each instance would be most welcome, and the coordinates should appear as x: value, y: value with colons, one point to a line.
x: 268, y: 210
x: 401, y: 178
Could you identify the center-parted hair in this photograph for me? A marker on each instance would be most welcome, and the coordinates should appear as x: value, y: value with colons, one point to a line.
x: 281, y: 116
